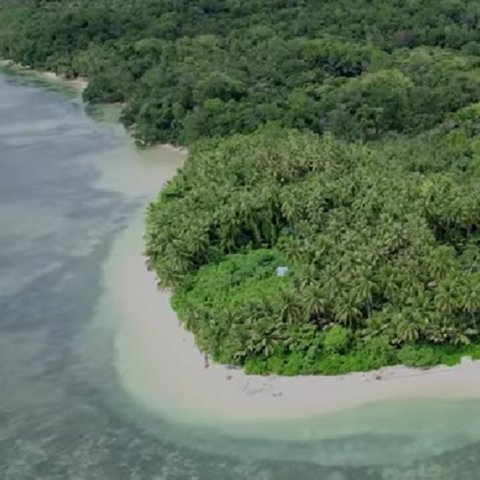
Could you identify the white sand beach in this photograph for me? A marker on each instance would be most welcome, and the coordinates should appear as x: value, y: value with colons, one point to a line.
x: 159, y: 364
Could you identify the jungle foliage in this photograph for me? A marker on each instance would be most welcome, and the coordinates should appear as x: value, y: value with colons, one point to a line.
x: 381, y: 243
x: 195, y: 69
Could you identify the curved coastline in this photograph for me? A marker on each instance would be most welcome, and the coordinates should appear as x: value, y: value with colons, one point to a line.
x: 159, y: 364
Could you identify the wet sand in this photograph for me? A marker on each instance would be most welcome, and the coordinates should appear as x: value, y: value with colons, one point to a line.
x: 159, y: 364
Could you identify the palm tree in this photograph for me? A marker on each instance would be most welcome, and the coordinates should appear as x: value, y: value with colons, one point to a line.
x: 407, y: 330
x: 379, y: 324
x: 290, y: 311
x: 293, y: 250
x: 180, y: 257
x: 387, y: 280
x: 346, y: 310
x: 268, y: 344
x: 289, y: 210
x: 168, y: 278
x: 469, y: 298
x: 365, y: 289
x: 313, y: 303
x: 191, y: 318
x: 445, y: 298
x: 307, y: 276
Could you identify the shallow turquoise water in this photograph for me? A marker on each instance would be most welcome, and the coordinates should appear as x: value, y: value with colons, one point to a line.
x: 62, y: 413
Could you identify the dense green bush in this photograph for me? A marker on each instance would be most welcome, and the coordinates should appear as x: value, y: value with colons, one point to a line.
x: 419, y: 356
x: 337, y: 340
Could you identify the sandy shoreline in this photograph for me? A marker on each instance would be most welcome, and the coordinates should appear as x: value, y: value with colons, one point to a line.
x: 78, y: 84
x: 159, y: 364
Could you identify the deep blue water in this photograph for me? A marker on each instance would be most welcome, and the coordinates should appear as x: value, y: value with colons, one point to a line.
x: 62, y: 413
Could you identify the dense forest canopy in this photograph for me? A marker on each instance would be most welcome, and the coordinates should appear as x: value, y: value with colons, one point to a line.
x: 336, y: 138
x: 381, y: 243
x: 191, y: 69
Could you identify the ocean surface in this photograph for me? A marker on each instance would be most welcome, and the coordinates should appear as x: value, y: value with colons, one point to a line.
x: 70, y: 185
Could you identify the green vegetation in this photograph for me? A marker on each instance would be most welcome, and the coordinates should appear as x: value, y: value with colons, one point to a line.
x: 339, y: 139
x: 191, y: 69
x: 381, y: 242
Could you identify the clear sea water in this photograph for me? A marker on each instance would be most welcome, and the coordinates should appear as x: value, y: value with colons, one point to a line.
x: 69, y: 185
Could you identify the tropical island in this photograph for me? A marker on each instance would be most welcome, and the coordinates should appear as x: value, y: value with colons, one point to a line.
x: 327, y: 218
